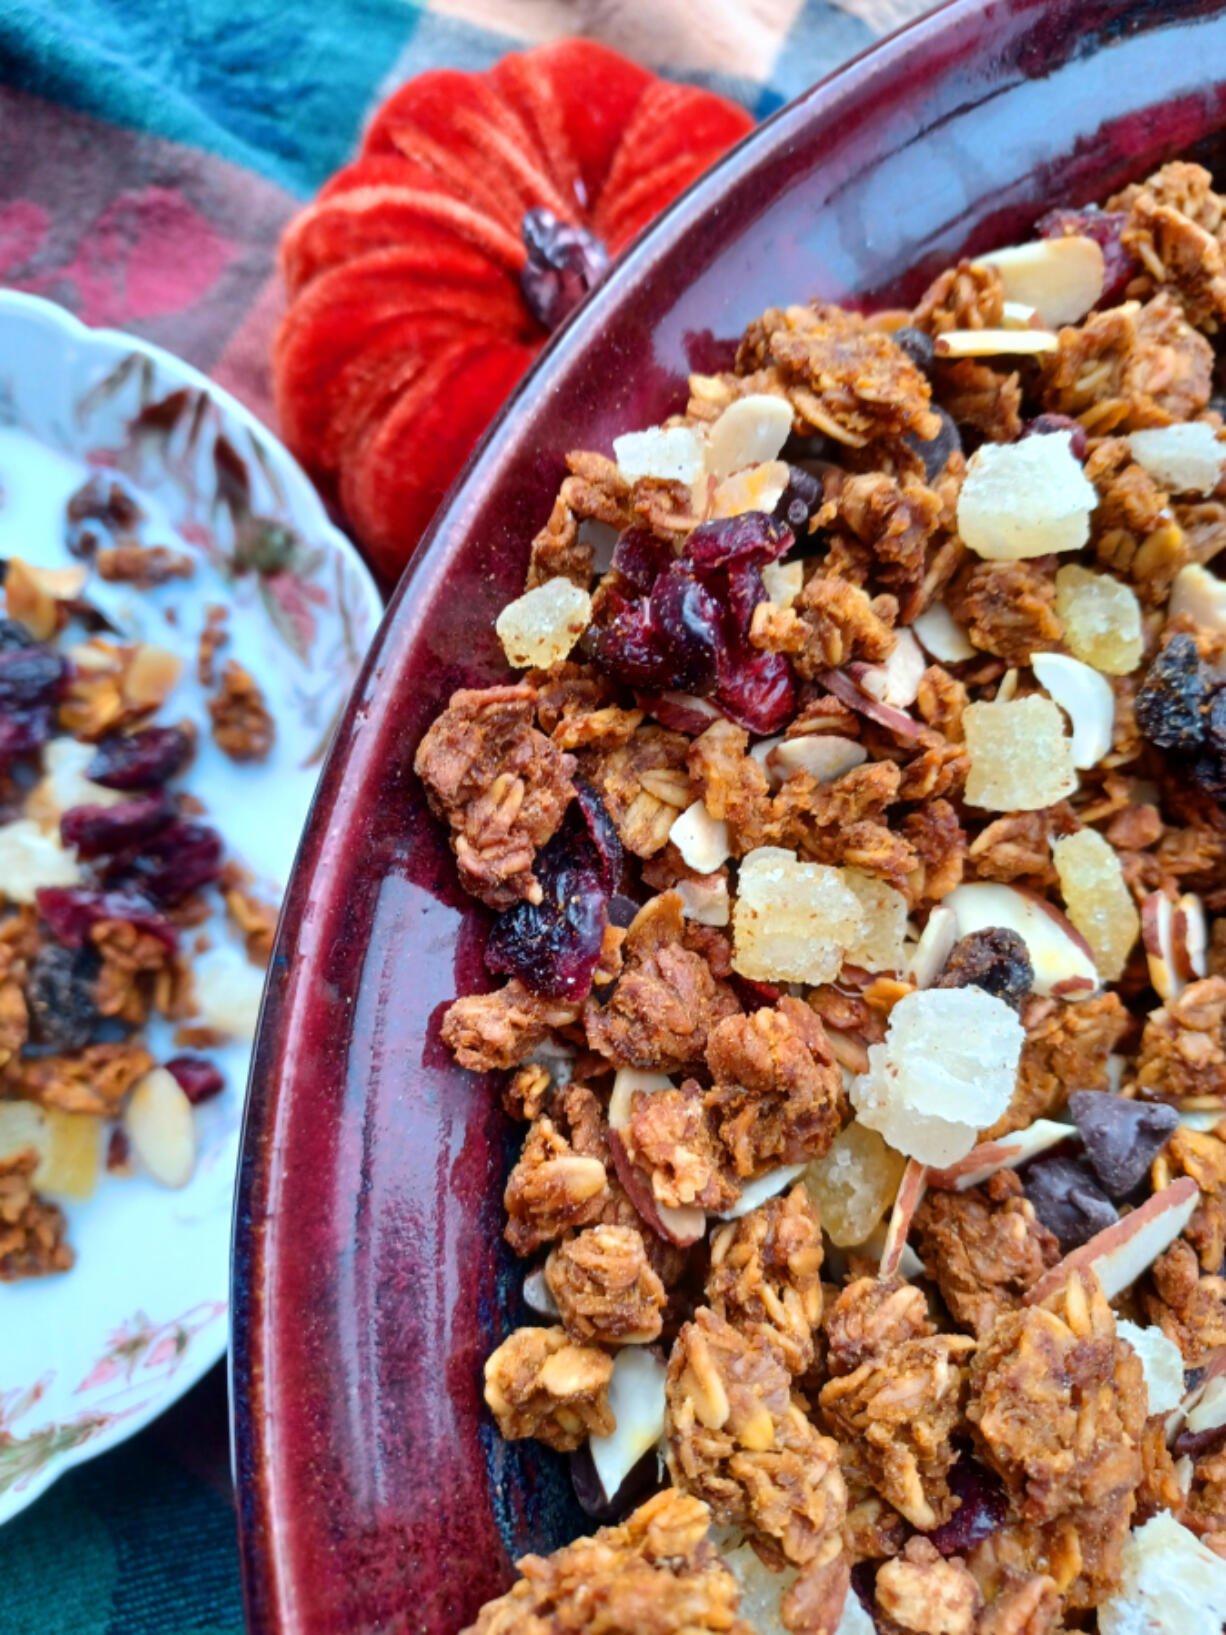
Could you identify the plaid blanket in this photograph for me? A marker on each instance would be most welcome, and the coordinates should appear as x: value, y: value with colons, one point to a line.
x: 153, y: 150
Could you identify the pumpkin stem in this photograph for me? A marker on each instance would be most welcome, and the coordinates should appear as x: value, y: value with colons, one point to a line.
x: 564, y: 262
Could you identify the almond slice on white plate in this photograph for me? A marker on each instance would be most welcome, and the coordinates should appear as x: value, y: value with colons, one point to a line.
x: 161, y: 1127
x: 701, y: 839
x: 1063, y: 963
x: 1185, y: 459
x: 897, y: 679
x: 995, y: 343
x: 751, y: 431
x: 1201, y: 595
x: 1086, y: 698
x: 1061, y: 278
x: 942, y: 635
x: 674, y: 454
x: 1005, y: 1152
x: 1121, y: 1252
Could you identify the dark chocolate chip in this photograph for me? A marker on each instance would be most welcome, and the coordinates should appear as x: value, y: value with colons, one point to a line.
x: 1122, y: 1137
x: 1068, y: 1201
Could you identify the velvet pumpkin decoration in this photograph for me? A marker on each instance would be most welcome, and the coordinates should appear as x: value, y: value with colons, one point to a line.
x: 428, y: 273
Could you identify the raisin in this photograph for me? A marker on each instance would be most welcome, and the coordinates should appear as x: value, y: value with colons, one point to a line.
x: 995, y: 960
x: 1170, y: 702
x: 917, y: 345
x: 935, y: 452
x: 799, y: 501
x: 140, y: 760
x: 60, y: 997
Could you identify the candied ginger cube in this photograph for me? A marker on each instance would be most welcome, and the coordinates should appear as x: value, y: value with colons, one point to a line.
x: 675, y: 454
x: 793, y: 921
x: 1185, y: 459
x: 1025, y: 499
x: 1101, y: 618
x: 1201, y: 595
x: 1171, y: 1584
x: 540, y: 627
x: 1021, y: 757
x: 878, y: 946
x: 854, y: 1183
x: 1161, y: 1360
x: 947, y: 1070
x: 1098, y: 901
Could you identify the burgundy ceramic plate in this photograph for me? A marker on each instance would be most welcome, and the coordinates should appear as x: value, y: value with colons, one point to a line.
x: 370, y: 1281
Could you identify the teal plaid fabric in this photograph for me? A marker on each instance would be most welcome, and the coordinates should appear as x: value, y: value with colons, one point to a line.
x: 133, y: 131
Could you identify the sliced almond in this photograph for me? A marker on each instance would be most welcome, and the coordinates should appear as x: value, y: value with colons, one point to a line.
x: 1120, y: 1253
x: 995, y: 343
x: 626, y: 1082
x: 762, y: 1189
x: 679, y: 1226
x: 705, y: 900
x: 889, y: 716
x: 151, y: 676
x: 162, y: 1128
x: 942, y: 635
x: 1158, y: 936
x: 1190, y: 937
x: 1017, y: 315
x: 1059, y: 953
x: 701, y: 839
x: 910, y: 1192
x: 750, y: 431
x: 760, y: 488
x: 822, y: 755
x: 1061, y: 278
x: 934, y: 947
x: 636, y: 1397
x: 1086, y: 698
x: 896, y: 680
x: 1006, y: 1152
x: 538, y: 1296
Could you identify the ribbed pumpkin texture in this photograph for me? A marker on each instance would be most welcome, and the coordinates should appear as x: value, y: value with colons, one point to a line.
x: 408, y: 324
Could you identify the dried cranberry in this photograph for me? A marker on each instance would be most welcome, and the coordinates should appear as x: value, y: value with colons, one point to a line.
x: 799, y: 501
x: 640, y: 557
x: 995, y: 960
x: 757, y: 691
x: 935, y: 451
x: 1171, y: 699
x: 687, y: 624
x: 197, y: 1078
x: 981, y: 1513
x: 918, y: 346
x: 564, y: 262
x: 60, y: 997
x: 139, y: 760
x: 101, y: 831
x: 171, y: 864
x: 69, y: 912
x: 1105, y: 227
x: 752, y: 537
x: 1068, y: 1200
x: 1043, y: 425
x: 627, y: 648
x: 14, y: 635
x: 553, y: 946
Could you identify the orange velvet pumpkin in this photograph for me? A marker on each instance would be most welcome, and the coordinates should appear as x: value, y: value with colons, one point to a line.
x: 426, y: 275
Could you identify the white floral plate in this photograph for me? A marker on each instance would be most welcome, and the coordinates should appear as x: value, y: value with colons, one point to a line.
x: 89, y: 1356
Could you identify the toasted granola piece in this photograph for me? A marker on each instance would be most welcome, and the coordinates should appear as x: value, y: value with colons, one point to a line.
x: 1205, y: 1509
x: 1066, y: 1049
x: 1027, y: 1604
x: 1202, y: 1155
x: 644, y: 787
x: 1134, y: 531
x: 1080, y: 1553
x: 213, y: 635
x: 738, y: 1440
x: 919, y: 1591
x: 939, y: 842
x: 840, y: 823
x: 1129, y: 368
x: 842, y: 378
x: 985, y: 1248
x: 93, y: 1080
x: 1009, y: 609
x: 540, y: 1383
x: 766, y: 1271
x: 729, y: 782
x: 896, y: 518
x: 575, y: 705
x: 671, y: 1136
x: 940, y: 768
x: 243, y: 727
x: 557, y: 552
x: 1194, y: 855
x: 1175, y: 232
x: 656, y: 1574
x: 941, y: 699
x: 968, y: 296
x: 605, y: 1288
x: 31, y: 1229
x: 1160, y: 1489
x: 1017, y: 846
x: 552, y: 1189
x: 778, y: 1092
x: 485, y: 1031
x: 143, y: 566
x: 902, y: 1408
x: 976, y: 395
x: 1058, y: 1404
x: 814, y: 1603
x: 1183, y: 1048
x: 1189, y: 1308
x: 871, y: 1318
x: 252, y: 915
x: 666, y: 1000
x: 500, y: 784
x: 831, y: 622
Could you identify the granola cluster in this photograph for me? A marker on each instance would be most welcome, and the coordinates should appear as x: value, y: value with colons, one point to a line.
x: 857, y: 848
x: 112, y: 993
